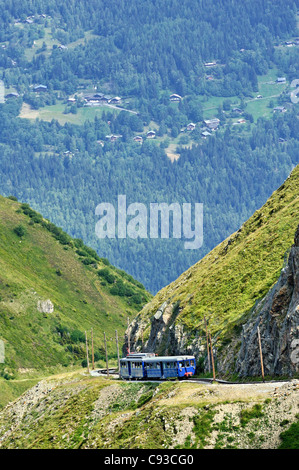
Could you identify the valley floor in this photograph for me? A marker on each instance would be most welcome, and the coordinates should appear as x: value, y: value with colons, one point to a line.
x: 74, y: 410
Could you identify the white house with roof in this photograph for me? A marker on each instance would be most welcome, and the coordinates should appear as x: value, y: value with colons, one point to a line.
x: 212, y: 123
x: 175, y: 97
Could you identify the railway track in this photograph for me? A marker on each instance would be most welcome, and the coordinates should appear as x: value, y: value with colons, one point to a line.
x: 100, y: 372
x: 226, y: 382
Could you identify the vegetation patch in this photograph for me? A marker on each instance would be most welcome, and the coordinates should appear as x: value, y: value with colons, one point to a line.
x: 290, y: 437
x: 253, y: 413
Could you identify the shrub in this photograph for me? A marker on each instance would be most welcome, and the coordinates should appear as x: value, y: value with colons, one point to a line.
x: 20, y: 230
x: 78, y: 242
x: 81, y: 252
x: 77, y: 336
x: 92, y: 253
x: 144, y: 398
x: 76, y: 350
x: 290, y: 438
x: 106, y: 274
x: 254, y: 412
x: 64, y: 334
x: 137, y: 299
x: 87, y: 261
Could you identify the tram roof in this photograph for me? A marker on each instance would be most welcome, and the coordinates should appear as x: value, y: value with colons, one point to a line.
x: 157, y: 358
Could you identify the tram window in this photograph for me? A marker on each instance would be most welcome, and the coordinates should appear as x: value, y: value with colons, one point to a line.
x: 154, y: 365
x: 187, y: 364
x: 171, y: 365
x: 192, y: 362
x: 136, y: 365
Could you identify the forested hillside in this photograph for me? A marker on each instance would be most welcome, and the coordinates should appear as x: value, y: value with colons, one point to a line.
x: 213, y: 57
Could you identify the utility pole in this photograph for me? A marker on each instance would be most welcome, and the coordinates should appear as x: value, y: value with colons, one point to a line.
x: 106, y: 354
x: 92, y: 350
x: 141, y: 339
x: 261, y: 352
x: 118, y: 360
x: 208, y: 349
x: 129, y: 339
x: 87, y: 358
x: 212, y: 355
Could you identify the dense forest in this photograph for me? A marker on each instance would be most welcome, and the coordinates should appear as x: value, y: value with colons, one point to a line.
x: 231, y: 174
x: 144, y: 51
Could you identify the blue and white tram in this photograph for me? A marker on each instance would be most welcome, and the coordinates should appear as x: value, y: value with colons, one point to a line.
x: 150, y: 366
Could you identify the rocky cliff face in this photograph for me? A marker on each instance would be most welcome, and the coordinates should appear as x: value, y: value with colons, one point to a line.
x: 278, y: 319
x: 163, y: 336
x: 276, y: 315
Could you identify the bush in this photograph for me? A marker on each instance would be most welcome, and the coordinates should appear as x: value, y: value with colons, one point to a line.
x: 77, y: 336
x: 122, y: 289
x: 254, y: 412
x: 88, y: 261
x: 145, y: 398
x: 106, y: 274
x: 137, y: 299
x: 81, y: 252
x: 64, y: 334
x: 92, y: 253
x: 78, y: 242
x: 20, y: 230
x: 290, y: 438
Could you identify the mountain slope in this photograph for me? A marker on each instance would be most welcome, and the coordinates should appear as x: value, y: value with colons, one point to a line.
x: 224, y: 286
x: 52, y: 289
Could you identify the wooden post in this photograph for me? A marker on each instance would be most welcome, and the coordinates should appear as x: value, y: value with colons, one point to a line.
x: 261, y: 352
x: 106, y: 354
x: 118, y: 360
x: 212, y: 356
x: 208, y: 349
x: 92, y: 349
x: 129, y: 339
x: 87, y: 358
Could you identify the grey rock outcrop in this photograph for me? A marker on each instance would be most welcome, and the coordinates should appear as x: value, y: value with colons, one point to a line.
x: 45, y: 306
x: 166, y: 336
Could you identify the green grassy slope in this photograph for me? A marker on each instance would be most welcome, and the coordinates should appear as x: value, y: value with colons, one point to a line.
x: 45, y: 263
x: 225, y: 284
